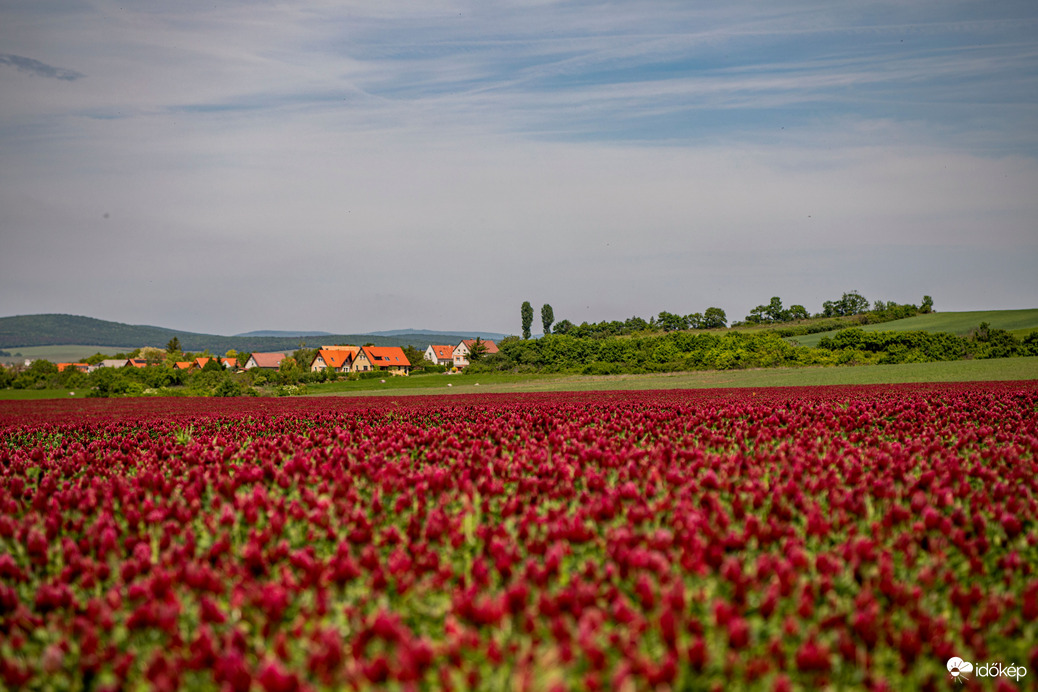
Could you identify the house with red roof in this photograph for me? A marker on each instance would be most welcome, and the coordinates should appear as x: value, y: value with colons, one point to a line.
x: 440, y: 355
x: 390, y: 359
x: 265, y: 361
x: 339, y: 358
x: 462, y: 351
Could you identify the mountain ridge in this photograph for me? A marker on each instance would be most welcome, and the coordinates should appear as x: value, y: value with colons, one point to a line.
x: 55, y: 329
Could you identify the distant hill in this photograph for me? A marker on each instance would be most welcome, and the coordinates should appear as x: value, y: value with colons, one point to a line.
x: 287, y: 335
x: 425, y: 333
x: 57, y: 330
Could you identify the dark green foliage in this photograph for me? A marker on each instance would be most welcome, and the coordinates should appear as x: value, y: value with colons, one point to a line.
x: 714, y: 318
x: 478, y: 351
x: 670, y: 322
x: 415, y: 357
x: 851, y: 303
x: 213, y: 365
x: 927, y: 305
x: 1030, y: 344
x: 917, y: 347
x: 527, y: 316
x: 563, y: 327
x: 547, y: 317
x: 228, y: 387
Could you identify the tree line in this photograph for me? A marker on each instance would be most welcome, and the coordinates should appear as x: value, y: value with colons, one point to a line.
x: 850, y: 304
x: 687, y: 350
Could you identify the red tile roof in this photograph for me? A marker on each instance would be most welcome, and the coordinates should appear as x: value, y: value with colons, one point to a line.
x: 442, y: 352
x: 386, y: 356
x: 336, y: 358
x: 268, y: 360
x: 491, y: 346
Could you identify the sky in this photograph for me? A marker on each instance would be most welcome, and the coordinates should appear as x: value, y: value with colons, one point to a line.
x: 359, y: 166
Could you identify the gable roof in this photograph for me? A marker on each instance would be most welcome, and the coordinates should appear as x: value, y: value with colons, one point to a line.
x: 183, y: 365
x: 387, y: 356
x: 442, y: 352
x: 268, y: 360
x: 335, y: 357
x: 491, y: 346
x: 202, y: 360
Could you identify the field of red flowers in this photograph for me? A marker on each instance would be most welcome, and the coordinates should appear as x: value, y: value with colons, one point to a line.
x: 854, y: 537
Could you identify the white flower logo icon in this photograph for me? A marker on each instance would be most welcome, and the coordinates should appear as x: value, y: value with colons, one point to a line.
x: 958, y: 668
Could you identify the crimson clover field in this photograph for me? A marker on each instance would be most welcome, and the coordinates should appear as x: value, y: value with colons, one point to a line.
x: 791, y: 538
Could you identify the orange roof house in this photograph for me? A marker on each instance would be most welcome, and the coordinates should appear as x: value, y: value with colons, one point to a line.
x: 339, y: 358
x: 440, y: 355
x: 388, y: 358
x: 184, y: 365
x: 82, y: 367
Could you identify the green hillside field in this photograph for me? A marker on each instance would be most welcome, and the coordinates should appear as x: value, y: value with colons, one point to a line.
x: 1018, y: 322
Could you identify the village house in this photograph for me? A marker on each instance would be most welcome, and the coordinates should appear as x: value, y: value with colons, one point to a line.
x: 440, y: 355
x: 113, y: 363
x: 338, y: 358
x: 387, y: 358
x: 265, y: 361
x: 462, y: 351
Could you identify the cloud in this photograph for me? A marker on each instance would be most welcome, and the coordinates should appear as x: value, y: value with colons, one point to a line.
x: 39, y: 69
x: 336, y: 164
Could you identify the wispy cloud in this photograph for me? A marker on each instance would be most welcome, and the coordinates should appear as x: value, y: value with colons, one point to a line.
x: 715, y: 151
x: 39, y: 69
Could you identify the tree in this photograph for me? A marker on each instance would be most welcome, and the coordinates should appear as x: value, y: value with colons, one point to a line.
x: 797, y: 312
x: 527, y: 315
x: 714, y: 318
x: 152, y: 355
x: 477, y: 350
x: 547, y: 317
x: 173, y: 346
x: 564, y: 327
x: 670, y: 322
x: 927, y: 307
x: 304, y: 357
x: 415, y: 357
x: 775, y: 312
x: 212, y: 364
x: 852, y: 303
